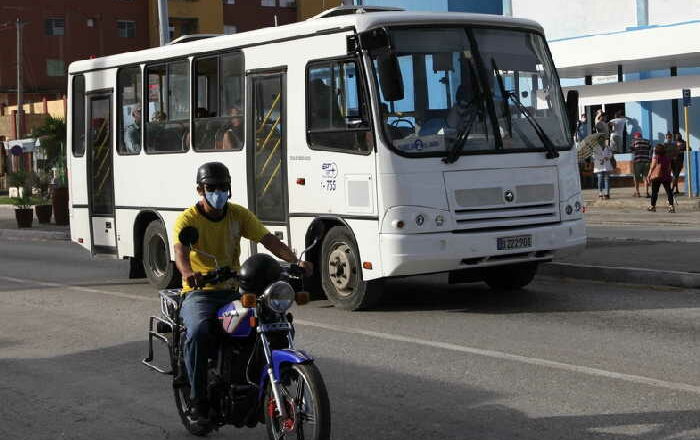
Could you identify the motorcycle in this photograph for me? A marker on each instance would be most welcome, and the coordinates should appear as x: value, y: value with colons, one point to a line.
x: 256, y: 375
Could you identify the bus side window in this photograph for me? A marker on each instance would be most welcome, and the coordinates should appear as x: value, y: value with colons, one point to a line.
x: 168, y: 111
x: 218, y: 116
x: 78, y: 116
x: 336, y: 116
x: 129, y: 110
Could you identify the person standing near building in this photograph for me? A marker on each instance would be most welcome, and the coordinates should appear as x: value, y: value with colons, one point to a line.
x: 601, y: 123
x: 617, y: 132
x: 660, y: 174
x: 581, y: 129
x: 677, y: 162
x: 602, y: 166
x: 641, y: 151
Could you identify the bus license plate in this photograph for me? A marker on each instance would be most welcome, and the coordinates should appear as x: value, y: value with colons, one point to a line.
x: 515, y: 242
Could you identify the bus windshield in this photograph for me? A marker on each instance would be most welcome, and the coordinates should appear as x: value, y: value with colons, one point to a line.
x: 473, y: 90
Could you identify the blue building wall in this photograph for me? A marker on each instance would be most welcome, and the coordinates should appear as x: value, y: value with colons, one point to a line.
x: 477, y: 6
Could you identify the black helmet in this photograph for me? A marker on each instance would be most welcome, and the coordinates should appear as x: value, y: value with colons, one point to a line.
x: 258, y: 272
x: 213, y: 173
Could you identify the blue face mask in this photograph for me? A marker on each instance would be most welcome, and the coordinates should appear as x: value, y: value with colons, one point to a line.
x: 217, y: 199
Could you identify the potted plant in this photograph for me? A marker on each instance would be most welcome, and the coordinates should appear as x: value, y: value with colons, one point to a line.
x: 52, y: 137
x: 23, y: 206
x: 43, y: 208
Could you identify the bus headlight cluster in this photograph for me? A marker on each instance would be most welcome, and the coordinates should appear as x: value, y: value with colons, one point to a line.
x: 279, y: 296
x: 406, y: 219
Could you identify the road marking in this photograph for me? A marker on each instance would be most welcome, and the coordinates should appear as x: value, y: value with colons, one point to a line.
x: 494, y: 354
x: 675, y: 386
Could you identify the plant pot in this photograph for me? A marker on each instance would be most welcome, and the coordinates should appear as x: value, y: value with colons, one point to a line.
x: 43, y: 213
x: 24, y: 217
x: 60, y: 206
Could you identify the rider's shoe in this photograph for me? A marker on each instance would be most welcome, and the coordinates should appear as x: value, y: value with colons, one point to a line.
x: 199, y: 414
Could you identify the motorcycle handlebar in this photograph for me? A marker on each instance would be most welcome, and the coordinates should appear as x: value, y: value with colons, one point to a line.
x: 218, y: 275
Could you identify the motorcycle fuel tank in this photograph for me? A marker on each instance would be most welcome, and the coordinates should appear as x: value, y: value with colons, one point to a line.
x: 235, y: 319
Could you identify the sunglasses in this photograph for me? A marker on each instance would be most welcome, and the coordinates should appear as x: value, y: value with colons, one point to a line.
x: 211, y: 187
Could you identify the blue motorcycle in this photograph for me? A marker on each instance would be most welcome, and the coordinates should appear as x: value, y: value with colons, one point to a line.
x: 255, y: 374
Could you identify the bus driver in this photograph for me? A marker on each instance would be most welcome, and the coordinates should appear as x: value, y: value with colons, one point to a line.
x: 220, y: 225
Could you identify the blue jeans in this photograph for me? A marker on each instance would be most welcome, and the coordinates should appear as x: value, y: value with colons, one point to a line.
x: 603, y: 183
x: 198, y: 314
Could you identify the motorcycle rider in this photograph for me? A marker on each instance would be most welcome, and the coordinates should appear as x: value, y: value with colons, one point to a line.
x: 221, y: 225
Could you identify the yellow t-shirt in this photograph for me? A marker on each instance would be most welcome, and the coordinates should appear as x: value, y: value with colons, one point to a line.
x: 221, y: 238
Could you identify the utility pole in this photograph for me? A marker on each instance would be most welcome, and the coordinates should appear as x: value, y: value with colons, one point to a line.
x: 20, y: 110
x: 163, y: 22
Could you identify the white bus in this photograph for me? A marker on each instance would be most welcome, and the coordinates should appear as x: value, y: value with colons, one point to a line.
x: 424, y: 143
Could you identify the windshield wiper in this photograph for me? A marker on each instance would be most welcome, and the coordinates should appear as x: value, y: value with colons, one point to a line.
x: 552, y: 152
x: 464, y: 132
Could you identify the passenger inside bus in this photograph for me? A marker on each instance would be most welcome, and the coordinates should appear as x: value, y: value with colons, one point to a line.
x: 132, y: 137
x: 232, y: 133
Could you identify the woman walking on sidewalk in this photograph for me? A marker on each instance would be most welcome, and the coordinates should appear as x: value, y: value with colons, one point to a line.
x: 660, y: 174
x: 602, y: 166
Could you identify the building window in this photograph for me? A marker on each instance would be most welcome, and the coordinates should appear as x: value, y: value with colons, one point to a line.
x: 288, y: 3
x: 336, y: 117
x: 230, y: 29
x: 55, y: 26
x: 55, y: 68
x: 268, y: 3
x: 126, y: 28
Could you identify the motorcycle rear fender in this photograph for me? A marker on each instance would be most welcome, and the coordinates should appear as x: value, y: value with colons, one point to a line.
x: 281, y: 357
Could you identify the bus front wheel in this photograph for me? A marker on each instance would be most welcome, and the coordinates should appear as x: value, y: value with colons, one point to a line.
x: 341, y: 272
x: 511, y: 277
x: 159, y: 268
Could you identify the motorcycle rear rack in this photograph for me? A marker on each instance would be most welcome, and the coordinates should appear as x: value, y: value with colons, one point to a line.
x: 153, y: 323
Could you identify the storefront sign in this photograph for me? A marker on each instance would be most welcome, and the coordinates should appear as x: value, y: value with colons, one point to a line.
x: 686, y: 98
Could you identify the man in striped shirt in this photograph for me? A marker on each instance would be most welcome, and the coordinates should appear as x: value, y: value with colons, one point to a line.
x: 642, y: 156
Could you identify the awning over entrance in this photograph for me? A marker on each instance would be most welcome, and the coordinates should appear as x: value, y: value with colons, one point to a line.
x: 636, y: 50
x: 21, y: 145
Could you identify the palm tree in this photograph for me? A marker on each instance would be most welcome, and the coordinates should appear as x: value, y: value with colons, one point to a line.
x: 52, y: 136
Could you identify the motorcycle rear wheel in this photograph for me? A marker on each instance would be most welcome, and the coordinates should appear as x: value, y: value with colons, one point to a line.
x: 307, y: 404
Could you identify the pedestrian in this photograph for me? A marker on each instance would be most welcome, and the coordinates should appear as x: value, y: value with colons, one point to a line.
x: 601, y: 123
x: 677, y: 161
x: 617, y: 132
x: 641, y: 151
x: 602, y: 166
x: 660, y: 174
x: 581, y: 129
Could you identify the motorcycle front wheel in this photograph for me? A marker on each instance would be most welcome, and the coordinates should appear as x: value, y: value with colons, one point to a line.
x: 306, y: 403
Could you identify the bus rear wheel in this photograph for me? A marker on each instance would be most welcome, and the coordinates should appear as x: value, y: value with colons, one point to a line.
x: 160, y: 269
x: 511, y: 277
x: 341, y: 273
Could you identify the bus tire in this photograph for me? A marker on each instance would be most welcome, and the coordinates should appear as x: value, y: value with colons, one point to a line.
x: 341, y: 273
x: 510, y: 277
x: 160, y: 269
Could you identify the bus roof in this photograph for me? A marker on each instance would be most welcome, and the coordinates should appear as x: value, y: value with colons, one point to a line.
x: 360, y: 22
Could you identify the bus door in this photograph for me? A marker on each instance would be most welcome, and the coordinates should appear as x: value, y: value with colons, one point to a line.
x: 101, y: 174
x: 267, y: 164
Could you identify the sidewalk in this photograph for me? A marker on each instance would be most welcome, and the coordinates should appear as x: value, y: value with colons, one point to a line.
x: 628, y: 244
x: 10, y: 231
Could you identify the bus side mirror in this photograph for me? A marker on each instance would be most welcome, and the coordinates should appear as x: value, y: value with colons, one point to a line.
x: 572, y: 108
x: 390, y: 78
x: 188, y: 236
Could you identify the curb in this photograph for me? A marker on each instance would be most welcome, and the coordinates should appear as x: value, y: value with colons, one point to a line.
x: 25, y: 234
x: 627, y: 275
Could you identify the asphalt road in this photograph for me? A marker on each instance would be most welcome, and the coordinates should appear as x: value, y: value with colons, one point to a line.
x: 561, y: 360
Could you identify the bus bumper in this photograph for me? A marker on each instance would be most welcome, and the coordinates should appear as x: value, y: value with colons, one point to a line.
x: 413, y: 254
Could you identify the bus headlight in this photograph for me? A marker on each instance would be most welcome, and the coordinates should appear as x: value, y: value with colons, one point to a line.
x: 413, y: 219
x: 279, y: 296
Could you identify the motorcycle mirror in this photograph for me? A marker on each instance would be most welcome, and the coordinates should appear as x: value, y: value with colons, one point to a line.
x: 188, y: 236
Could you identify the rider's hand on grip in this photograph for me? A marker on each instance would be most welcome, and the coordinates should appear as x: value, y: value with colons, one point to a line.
x: 194, y: 280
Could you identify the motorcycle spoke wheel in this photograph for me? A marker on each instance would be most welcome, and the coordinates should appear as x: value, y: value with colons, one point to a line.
x: 306, y: 403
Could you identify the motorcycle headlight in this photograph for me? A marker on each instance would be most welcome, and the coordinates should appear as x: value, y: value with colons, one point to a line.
x: 279, y: 296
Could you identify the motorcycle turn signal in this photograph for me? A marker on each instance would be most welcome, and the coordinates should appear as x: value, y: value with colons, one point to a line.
x: 248, y: 300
